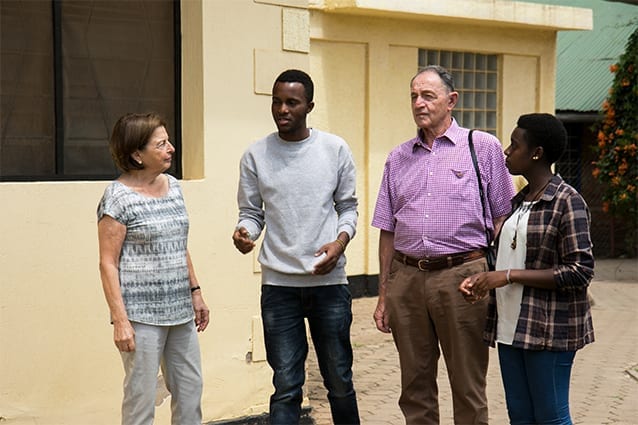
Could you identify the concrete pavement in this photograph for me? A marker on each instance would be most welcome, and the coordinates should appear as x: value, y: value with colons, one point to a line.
x: 604, y: 385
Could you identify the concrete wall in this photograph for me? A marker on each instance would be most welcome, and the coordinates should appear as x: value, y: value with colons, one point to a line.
x: 58, y: 364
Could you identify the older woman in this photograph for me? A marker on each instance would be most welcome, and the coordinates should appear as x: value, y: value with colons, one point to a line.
x: 147, y: 275
x: 539, y: 313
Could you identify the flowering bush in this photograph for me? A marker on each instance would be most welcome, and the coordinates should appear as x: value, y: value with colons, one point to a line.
x: 616, y: 166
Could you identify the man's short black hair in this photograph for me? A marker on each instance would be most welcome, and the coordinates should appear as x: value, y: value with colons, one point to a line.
x: 297, y: 76
x: 546, y: 131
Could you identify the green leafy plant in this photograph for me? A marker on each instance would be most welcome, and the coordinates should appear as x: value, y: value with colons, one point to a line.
x: 616, y: 165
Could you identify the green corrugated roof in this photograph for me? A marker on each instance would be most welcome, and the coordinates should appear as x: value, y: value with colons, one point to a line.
x: 583, y: 78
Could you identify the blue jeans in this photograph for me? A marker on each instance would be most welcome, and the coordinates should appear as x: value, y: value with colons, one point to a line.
x: 329, y: 313
x: 536, y: 385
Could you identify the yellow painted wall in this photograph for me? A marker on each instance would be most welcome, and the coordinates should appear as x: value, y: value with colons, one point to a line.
x: 341, y: 107
x: 58, y: 364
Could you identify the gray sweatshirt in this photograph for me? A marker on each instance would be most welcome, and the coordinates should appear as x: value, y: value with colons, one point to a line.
x: 303, y: 195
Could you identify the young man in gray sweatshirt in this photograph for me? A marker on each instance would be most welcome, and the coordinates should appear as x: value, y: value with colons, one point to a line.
x: 298, y: 186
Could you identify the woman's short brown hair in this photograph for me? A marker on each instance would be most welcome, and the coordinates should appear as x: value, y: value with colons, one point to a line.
x: 130, y: 133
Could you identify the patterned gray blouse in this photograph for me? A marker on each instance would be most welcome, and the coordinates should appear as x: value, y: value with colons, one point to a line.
x: 153, y: 267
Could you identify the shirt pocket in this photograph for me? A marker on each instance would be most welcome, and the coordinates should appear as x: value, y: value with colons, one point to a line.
x: 461, y: 183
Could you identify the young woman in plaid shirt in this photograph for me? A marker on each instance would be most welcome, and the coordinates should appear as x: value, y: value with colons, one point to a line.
x: 539, y: 313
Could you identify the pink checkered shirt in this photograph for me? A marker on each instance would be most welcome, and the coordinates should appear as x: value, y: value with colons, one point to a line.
x: 430, y: 199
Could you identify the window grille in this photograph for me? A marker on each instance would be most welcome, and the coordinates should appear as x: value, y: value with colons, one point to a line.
x: 476, y: 81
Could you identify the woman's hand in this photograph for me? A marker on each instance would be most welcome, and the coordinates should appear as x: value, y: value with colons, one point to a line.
x: 476, y: 287
x: 124, y: 336
x: 202, y: 314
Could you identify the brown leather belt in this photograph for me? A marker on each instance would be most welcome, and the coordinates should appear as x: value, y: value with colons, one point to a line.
x: 428, y: 264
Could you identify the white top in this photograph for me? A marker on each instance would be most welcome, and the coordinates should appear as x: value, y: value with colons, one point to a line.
x: 509, y: 297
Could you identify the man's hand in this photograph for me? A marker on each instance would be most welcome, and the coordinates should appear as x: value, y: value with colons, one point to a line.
x: 380, y: 316
x: 332, y: 251
x: 242, y: 241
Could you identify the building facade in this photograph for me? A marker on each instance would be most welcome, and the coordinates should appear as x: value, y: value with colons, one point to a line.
x: 58, y: 364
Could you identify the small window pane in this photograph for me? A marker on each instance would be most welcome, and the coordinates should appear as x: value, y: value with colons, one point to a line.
x: 481, y: 82
x: 469, y: 99
x: 480, y: 100
x: 457, y: 60
x: 468, y: 80
x: 468, y: 119
x: 469, y: 61
x: 491, y: 101
x: 492, y: 63
x: 423, y: 54
x: 433, y: 58
x: 481, y: 62
x: 491, y: 81
x: 479, y: 120
x: 446, y: 59
x: 491, y: 120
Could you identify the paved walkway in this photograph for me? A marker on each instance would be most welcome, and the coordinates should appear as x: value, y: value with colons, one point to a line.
x: 603, y: 390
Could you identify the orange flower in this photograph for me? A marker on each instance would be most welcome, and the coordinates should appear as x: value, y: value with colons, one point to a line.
x: 620, y: 132
x: 622, y: 168
x: 615, y: 181
x: 625, y: 82
x: 631, y: 188
x: 614, y: 67
x: 623, y: 196
x: 595, y: 172
x: 606, y: 207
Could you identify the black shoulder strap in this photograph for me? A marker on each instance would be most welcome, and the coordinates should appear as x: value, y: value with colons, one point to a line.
x: 480, y: 186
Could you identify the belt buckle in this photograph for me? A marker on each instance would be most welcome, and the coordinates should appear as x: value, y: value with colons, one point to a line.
x: 424, y: 261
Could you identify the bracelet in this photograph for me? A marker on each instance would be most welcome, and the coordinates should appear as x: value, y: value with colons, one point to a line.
x: 507, y: 276
x: 195, y: 288
x: 340, y: 242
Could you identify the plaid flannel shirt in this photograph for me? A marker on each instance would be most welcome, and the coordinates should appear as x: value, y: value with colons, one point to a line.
x: 558, y: 237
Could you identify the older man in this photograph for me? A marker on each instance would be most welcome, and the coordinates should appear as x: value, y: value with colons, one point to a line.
x: 432, y: 236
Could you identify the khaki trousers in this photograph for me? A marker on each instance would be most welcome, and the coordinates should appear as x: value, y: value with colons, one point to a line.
x: 425, y: 311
